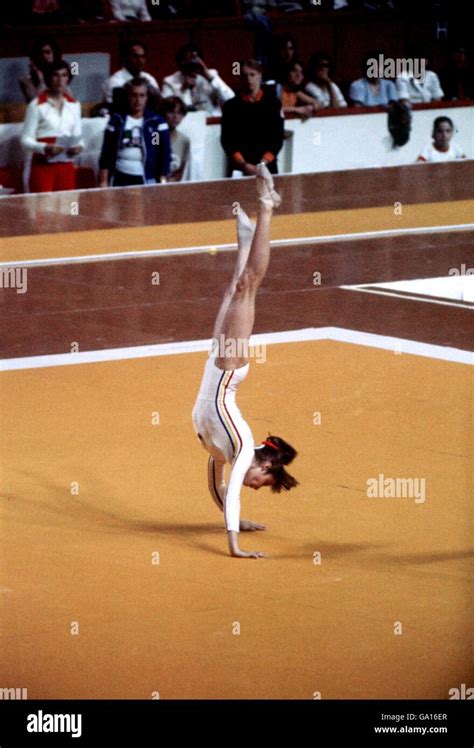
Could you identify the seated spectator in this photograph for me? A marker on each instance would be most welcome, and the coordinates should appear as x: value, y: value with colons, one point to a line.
x: 129, y: 10
x: 52, y: 132
x: 283, y: 51
x: 252, y: 123
x: 44, y: 52
x: 320, y: 85
x: 46, y: 11
x: 136, y: 147
x: 372, y: 89
x: 174, y: 110
x: 441, y: 148
x: 293, y: 99
x: 418, y: 90
x: 134, y: 61
x: 199, y: 87
x: 399, y: 123
x: 458, y: 79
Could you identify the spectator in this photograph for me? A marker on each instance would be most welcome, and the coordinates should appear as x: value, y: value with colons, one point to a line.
x: 372, y: 89
x: 174, y: 110
x: 136, y: 147
x: 320, y: 85
x: 441, y: 148
x: 46, y: 11
x: 44, y: 52
x: 49, y: 12
x: 458, y: 79
x: 418, y: 90
x: 133, y: 67
x: 129, y: 10
x: 283, y: 51
x: 399, y: 123
x: 52, y: 132
x: 256, y: 20
x: 293, y: 99
x: 200, y: 88
x: 252, y: 123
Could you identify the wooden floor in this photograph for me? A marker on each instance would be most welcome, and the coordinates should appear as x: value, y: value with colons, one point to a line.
x: 92, y: 491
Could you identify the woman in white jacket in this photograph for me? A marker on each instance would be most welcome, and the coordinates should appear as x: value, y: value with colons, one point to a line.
x: 52, y: 132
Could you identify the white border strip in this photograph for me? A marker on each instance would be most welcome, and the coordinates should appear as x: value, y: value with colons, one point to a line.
x: 227, y: 247
x: 466, y: 305
x: 339, y: 334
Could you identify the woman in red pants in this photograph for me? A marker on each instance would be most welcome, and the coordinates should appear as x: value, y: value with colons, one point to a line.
x: 50, y: 117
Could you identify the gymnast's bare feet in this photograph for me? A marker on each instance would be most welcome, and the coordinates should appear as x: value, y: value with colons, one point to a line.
x: 266, y: 188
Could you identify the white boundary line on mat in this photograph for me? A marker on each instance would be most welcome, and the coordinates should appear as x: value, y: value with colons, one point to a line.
x: 341, y: 335
x: 467, y: 305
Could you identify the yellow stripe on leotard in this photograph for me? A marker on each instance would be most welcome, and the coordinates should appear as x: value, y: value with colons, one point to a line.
x: 229, y: 426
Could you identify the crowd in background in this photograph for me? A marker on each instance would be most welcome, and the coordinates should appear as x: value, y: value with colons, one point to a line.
x: 142, y: 141
x: 52, y: 12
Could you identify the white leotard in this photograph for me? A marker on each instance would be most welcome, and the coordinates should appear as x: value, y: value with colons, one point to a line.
x: 223, y: 431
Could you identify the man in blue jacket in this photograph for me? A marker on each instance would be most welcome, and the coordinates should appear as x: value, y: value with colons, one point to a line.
x: 136, y: 147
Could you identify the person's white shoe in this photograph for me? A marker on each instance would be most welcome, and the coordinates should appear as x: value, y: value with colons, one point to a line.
x: 266, y: 188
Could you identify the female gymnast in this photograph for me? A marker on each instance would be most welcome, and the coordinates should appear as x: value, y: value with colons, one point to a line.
x: 216, y: 417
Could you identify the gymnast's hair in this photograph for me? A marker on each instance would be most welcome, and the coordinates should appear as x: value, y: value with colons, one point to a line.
x: 279, y: 453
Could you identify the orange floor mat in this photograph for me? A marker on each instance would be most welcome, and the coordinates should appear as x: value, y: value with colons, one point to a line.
x: 92, y: 490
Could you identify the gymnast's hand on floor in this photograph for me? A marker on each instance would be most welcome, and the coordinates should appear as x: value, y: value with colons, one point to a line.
x: 235, y: 550
x: 246, y: 525
x: 237, y: 553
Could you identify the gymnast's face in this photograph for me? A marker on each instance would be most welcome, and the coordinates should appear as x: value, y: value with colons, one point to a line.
x: 257, y: 476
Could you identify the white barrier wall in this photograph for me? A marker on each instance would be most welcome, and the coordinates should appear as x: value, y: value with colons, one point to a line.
x: 319, y: 144
x: 351, y: 141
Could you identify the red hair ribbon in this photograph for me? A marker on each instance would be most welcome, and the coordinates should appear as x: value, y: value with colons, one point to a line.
x: 270, y: 444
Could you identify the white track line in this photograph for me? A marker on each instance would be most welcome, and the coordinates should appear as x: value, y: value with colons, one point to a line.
x: 466, y: 305
x: 229, y: 247
x: 342, y: 335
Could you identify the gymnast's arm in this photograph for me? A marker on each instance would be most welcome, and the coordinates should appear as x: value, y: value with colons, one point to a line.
x: 232, y: 503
